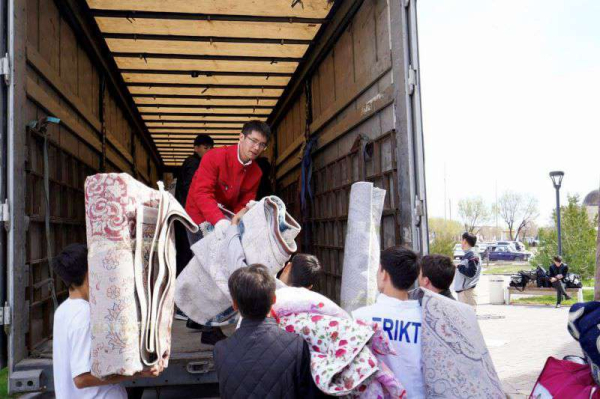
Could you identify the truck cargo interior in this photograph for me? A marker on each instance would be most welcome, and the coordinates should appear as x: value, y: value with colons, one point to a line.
x: 134, y: 81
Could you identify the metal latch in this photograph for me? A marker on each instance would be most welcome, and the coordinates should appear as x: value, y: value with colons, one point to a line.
x: 5, y: 68
x: 406, y: 3
x: 419, y: 210
x: 5, y: 315
x: 4, y: 211
x: 412, y: 79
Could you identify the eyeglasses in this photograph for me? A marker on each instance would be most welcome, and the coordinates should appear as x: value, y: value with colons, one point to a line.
x: 255, y: 143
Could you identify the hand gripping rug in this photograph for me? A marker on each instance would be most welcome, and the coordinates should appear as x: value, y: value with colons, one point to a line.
x: 131, y: 256
x: 268, y: 235
x: 362, y: 246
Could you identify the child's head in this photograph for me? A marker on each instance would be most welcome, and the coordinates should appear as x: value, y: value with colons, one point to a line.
x: 71, y: 265
x: 302, y: 270
x: 252, y: 289
x: 399, y: 269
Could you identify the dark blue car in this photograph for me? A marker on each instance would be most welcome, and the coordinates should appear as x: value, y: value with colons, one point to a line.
x: 506, y: 252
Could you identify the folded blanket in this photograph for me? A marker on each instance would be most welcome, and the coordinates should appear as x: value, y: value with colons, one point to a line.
x: 267, y: 235
x: 131, y: 258
x: 343, y: 351
x: 456, y: 361
x: 362, y: 246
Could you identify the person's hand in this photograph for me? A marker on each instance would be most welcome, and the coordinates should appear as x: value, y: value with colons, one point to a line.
x: 552, y: 279
x: 221, y: 228
x: 151, y: 372
x: 559, y: 277
x: 236, y: 219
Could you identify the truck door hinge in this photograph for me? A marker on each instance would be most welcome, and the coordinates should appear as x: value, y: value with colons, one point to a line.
x: 412, y: 79
x: 405, y: 3
x: 5, y: 315
x: 418, y: 211
x: 5, y: 213
x: 5, y: 68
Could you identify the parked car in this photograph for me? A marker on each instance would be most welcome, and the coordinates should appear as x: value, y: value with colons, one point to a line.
x: 483, y: 250
x: 458, y: 251
x: 507, y: 252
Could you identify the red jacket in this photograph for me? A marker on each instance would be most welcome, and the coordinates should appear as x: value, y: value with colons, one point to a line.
x: 221, y: 178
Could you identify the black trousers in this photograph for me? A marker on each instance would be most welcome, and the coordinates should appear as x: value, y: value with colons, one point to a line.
x: 559, y: 286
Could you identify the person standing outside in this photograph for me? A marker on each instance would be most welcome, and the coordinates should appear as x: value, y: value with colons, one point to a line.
x: 557, y: 273
x: 227, y: 176
x: 399, y: 316
x: 468, y: 271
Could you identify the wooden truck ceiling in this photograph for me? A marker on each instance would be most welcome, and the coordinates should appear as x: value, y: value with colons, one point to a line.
x: 206, y: 66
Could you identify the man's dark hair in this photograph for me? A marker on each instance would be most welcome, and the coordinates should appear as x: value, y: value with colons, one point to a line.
x: 204, y: 139
x: 71, y: 265
x: 402, y: 265
x: 470, y: 238
x: 252, y: 288
x: 439, y: 269
x: 258, y: 126
x: 306, y: 270
x: 557, y: 258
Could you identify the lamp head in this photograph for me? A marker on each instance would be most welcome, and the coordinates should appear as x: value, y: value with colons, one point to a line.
x: 557, y: 177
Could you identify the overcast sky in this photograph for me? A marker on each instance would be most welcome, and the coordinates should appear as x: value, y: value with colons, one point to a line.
x: 510, y: 91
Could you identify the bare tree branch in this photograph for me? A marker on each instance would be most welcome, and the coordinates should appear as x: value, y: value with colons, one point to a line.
x: 473, y: 212
x: 517, y: 211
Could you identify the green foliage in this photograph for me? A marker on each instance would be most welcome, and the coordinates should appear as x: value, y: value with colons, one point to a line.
x: 588, y: 295
x: 443, y: 235
x: 578, y: 240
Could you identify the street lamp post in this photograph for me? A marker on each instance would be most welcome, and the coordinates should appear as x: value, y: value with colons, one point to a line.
x: 557, y: 177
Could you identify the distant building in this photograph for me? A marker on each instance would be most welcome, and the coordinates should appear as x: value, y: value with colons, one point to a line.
x: 591, y: 202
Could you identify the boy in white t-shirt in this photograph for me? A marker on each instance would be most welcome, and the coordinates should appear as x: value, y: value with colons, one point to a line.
x: 72, y: 339
x: 399, y: 317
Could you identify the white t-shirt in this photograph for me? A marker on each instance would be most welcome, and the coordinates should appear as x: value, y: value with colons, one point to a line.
x: 72, y: 343
x: 401, y: 320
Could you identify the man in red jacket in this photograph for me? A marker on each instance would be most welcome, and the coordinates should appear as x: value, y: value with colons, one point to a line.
x: 227, y: 176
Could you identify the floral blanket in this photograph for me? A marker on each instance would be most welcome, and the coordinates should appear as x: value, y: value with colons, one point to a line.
x: 343, y: 351
x: 131, y: 258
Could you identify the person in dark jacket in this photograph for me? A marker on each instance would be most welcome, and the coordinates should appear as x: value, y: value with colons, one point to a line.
x: 557, y: 273
x: 468, y: 271
x: 436, y: 274
x: 202, y: 144
x: 261, y: 360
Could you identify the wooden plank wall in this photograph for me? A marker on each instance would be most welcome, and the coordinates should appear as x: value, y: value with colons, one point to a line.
x: 62, y: 81
x: 351, y: 96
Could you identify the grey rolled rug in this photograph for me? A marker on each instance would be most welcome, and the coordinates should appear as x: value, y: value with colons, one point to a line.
x: 362, y: 246
x: 455, y: 359
x: 267, y: 234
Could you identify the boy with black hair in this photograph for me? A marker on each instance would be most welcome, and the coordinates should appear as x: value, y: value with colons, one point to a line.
x: 557, y: 272
x: 468, y: 271
x: 436, y: 274
x: 399, y: 316
x: 72, y: 337
x: 260, y: 359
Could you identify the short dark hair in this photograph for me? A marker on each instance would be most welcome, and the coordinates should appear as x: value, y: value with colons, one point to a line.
x: 439, y: 269
x: 402, y: 265
x: 71, y: 265
x: 252, y: 288
x: 306, y: 270
x: 258, y: 126
x: 204, y: 139
x: 557, y: 258
x: 470, y: 238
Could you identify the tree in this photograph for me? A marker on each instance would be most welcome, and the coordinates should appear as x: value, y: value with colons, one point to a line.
x: 578, y: 239
x: 518, y: 211
x: 443, y: 235
x: 473, y: 212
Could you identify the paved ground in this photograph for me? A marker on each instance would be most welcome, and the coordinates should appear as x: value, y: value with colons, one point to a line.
x: 521, y: 338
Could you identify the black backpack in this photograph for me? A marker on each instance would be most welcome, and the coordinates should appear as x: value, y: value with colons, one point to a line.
x: 573, y: 280
x: 542, y: 279
x: 520, y: 280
